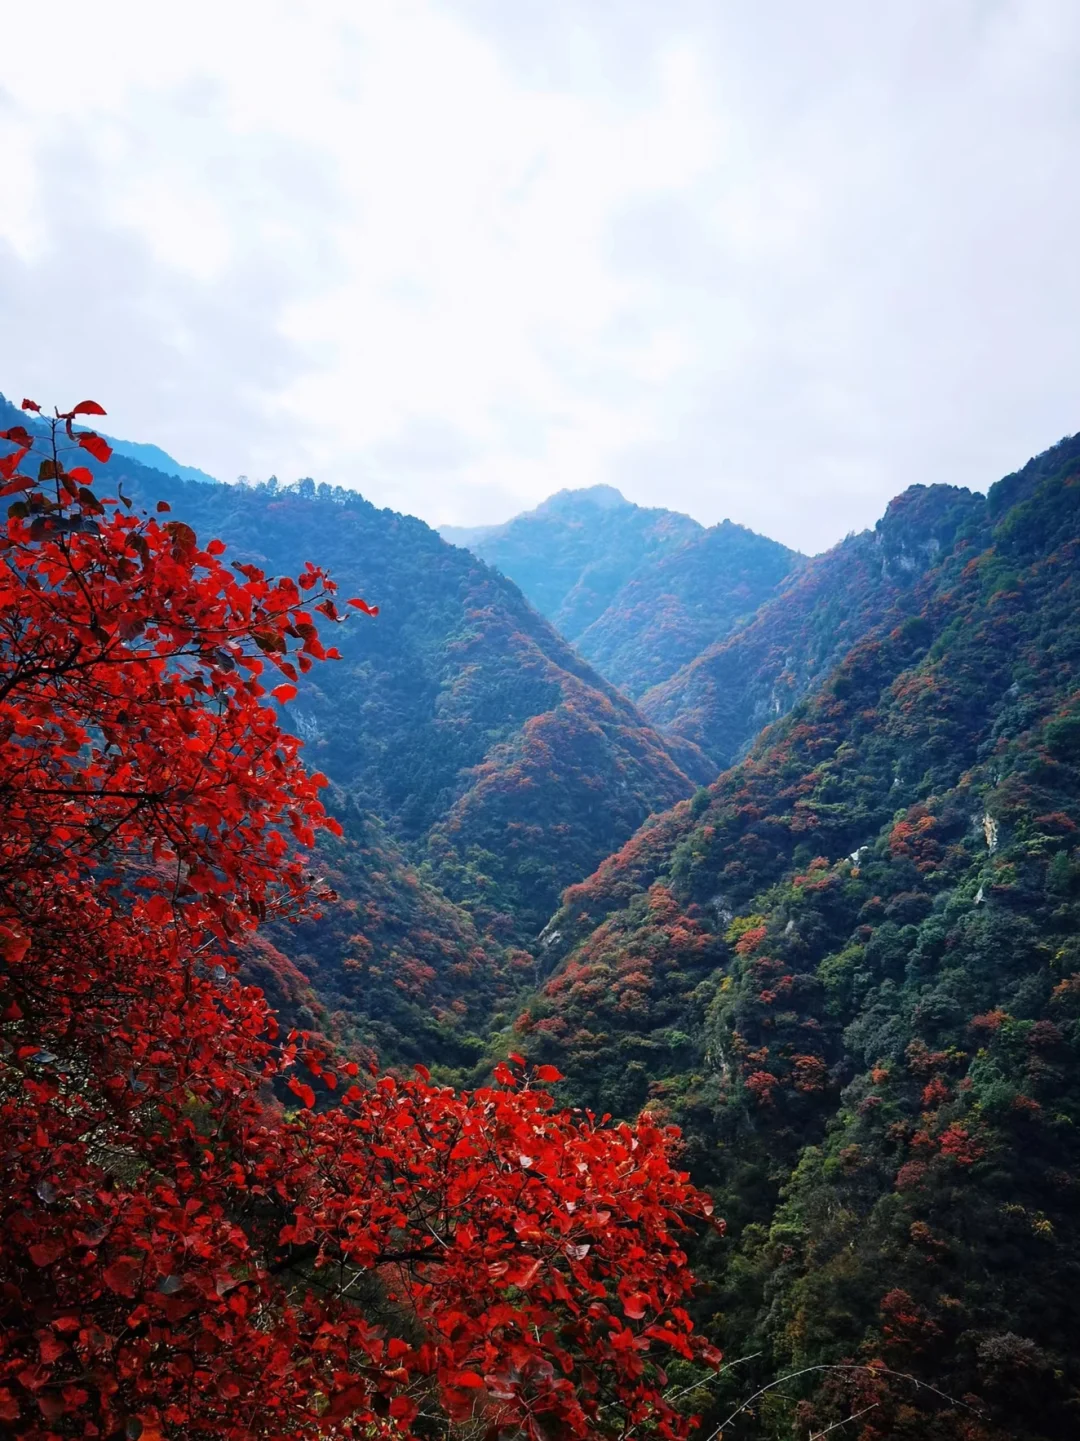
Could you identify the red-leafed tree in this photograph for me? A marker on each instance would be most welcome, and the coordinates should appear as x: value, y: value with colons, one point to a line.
x: 181, y: 1256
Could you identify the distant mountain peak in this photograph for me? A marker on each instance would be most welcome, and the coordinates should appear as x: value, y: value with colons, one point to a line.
x: 601, y: 497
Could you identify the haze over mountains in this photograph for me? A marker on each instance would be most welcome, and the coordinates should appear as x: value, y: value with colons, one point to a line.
x: 786, y: 851
x: 639, y: 591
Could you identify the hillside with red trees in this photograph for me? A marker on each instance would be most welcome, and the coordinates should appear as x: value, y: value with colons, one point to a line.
x: 189, y: 1245
x: 728, y: 691
x: 837, y: 984
x: 640, y: 592
x: 459, y: 706
x: 849, y: 970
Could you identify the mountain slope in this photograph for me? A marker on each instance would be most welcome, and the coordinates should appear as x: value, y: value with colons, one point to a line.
x: 394, y: 967
x: 458, y: 713
x: 490, y: 750
x: 742, y: 682
x: 683, y: 600
x: 639, y: 592
x: 850, y: 970
x: 154, y: 458
x: 573, y: 553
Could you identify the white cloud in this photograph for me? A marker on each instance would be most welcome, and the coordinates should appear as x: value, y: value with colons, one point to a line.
x: 773, y: 262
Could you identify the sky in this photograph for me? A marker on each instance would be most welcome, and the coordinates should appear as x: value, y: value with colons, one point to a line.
x: 758, y: 259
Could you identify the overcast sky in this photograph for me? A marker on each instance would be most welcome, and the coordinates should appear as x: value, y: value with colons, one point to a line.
x: 764, y: 259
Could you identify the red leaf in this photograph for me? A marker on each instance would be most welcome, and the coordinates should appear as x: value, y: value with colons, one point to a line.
x: 30, y: 405
x: 95, y: 445
x: 363, y: 605
x: 18, y: 435
x: 547, y: 1073
x: 465, y: 1378
x: 87, y: 407
x: 422, y: 1072
x: 635, y: 1305
x: 517, y: 1059
x: 162, y: 505
x: 81, y: 474
x: 283, y: 693
x: 306, y: 1094
x: 46, y: 1252
x: 528, y: 1276
x: 52, y: 1347
x: 345, y: 1402
x: 21, y: 482
x: 120, y: 1276
x: 9, y: 464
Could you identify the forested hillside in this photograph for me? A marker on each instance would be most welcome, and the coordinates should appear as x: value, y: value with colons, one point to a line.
x: 640, y: 592
x: 215, y: 1225
x: 678, y: 603
x: 847, y: 968
x: 850, y: 970
x: 572, y: 554
x: 501, y: 763
x: 459, y: 716
x: 724, y: 696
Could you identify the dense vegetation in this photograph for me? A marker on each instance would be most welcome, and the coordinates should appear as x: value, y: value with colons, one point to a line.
x: 724, y: 696
x: 181, y: 1255
x: 503, y: 764
x: 850, y: 970
x: 640, y: 592
x: 571, y: 555
x: 679, y: 603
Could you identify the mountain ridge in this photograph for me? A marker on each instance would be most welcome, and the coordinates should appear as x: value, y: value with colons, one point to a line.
x: 454, y: 714
x: 639, y: 591
x: 849, y: 971
x: 724, y: 696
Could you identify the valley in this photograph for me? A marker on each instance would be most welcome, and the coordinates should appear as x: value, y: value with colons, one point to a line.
x: 782, y: 851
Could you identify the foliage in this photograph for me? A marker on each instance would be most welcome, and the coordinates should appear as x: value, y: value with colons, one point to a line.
x: 179, y: 1256
x: 741, y: 682
x: 682, y: 601
x: 849, y: 970
x: 458, y: 710
x: 573, y: 554
x: 393, y: 969
x: 640, y: 592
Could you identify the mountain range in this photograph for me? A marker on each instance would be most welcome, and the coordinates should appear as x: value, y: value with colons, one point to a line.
x: 785, y: 851
x: 639, y: 592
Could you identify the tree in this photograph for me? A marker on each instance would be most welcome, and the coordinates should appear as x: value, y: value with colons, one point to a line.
x: 180, y: 1254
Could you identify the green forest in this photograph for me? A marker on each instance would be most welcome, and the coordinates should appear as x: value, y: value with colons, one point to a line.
x: 782, y: 852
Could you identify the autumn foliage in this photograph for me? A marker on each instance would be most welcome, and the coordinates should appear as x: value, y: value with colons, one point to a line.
x: 182, y: 1253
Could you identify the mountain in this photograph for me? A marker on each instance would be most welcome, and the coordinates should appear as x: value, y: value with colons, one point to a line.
x: 639, y: 592
x: 848, y: 968
x: 154, y: 458
x: 494, y: 755
x: 850, y: 971
x: 677, y: 603
x: 393, y: 969
x: 573, y: 554
x: 483, y: 742
x: 149, y: 457
x: 741, y: 682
